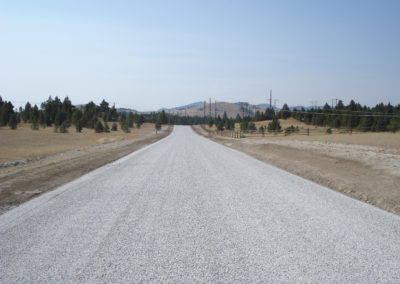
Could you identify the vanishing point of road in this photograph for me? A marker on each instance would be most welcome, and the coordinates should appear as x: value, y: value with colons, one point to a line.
x: 187, y: 209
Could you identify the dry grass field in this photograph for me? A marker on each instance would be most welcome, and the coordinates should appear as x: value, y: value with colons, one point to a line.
x: 24, y: 142
x: 286, y: 123
x: 378, y: 139
x: 43, y: 160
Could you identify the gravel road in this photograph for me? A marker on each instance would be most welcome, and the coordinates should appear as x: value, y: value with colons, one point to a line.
x: 186, y: 209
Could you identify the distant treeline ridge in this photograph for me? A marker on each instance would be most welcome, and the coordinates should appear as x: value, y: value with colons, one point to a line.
x: 63, y: 114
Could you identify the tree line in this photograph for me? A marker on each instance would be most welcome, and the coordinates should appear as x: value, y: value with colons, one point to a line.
x: 352, y: 116
x: 382, y: 117
x: 62, y: 114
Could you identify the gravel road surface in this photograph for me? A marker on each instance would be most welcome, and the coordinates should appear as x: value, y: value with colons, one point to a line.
x: 186, y: 209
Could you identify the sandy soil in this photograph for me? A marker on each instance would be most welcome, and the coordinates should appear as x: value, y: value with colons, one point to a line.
x: 33, y: 176
x: 364, y: 166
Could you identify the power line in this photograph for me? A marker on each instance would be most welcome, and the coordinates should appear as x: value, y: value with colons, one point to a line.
x: 343, y: 114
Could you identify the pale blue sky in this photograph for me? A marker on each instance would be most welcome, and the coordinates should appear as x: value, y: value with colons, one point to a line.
x: 153, y: 54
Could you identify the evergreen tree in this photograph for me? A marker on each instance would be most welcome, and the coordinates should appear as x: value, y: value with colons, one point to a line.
x: 238, y: 118
x: 78, y: 125
x: 252, y: 126
x: 98, y: 128
x: 125, y: 126
x: 163, y: 117
x: 220, y: 125
x: 394, y: 125
x: 12, y: 122
x: 274, y: 126
x: 63, y: 127
x: 131, y: 120
x: 157, y: 125
x: 210, y: 122
x: 139, y: 120
x: 284, y: 113
x: 6, y: 111
x: 269, y: 114
x: 114, y: 127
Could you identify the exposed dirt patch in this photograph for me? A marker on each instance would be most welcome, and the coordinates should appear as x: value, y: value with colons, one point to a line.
x: 367, y: 173
x: 25, y: 180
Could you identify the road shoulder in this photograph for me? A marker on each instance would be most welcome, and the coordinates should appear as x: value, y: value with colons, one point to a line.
x: 354, y: 177
x: 25, y: 181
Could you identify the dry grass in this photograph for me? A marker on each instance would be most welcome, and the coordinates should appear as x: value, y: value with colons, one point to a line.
x: 379, y: 139
x: 25, y: 143
x: 284, y: 124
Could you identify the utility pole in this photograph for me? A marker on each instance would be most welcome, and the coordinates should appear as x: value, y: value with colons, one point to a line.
x: 204, y: 109
x: 334, y: 103
x: 270, y: 99
x: 210, y: 108
x: 215, y: 109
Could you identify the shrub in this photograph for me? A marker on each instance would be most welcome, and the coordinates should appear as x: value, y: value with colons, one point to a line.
x: 274, y: 126
x: 252, y: 126
x: 63, y: 127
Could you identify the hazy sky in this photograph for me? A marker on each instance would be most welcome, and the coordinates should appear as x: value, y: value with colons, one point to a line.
x: 152, y: 54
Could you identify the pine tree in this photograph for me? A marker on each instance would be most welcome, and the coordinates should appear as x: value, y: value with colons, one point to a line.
x: 12, y: 122
x: 252, y: 126
x: 284, y: 113
x: 63, y: 127
x: 98, y: 128
x: 157, y: 125
x: 131, y: 120
x: 125, y: 126
x: 274, y: 126
x: 210, y: 122
x: 139, y: 120
x: 79, y: 125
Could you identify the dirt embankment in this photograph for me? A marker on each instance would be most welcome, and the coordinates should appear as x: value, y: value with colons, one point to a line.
x: 21, y: 181
x: 365, y: 172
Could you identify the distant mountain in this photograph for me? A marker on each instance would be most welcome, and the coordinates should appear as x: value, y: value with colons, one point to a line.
x: 231, y: 109
x: 121, y: 109
x: 265, y: 106
x: 183, y: 107
x: 305, y: 107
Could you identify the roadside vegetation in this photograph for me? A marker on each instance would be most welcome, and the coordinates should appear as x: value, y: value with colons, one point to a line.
x: 62, y: 115
x: 353, y: 116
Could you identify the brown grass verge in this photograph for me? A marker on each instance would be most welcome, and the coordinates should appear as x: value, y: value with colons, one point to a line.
x: 21, y: 183
x: 334, y: 163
